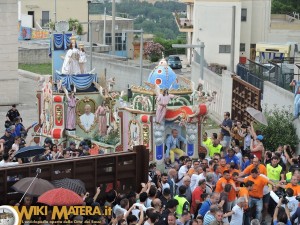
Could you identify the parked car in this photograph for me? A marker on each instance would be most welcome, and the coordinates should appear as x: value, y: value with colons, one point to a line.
x: 174, y: 62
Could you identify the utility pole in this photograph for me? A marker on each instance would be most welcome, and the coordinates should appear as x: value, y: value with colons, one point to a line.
x: 55, y: 18
x: 141, y: 50
x: 104, y: 26
x: 89, y: 2
x: 232, y: 50
x: 113, y: 39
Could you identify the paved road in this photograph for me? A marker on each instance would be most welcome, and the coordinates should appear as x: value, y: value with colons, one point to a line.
x: 27, y: 108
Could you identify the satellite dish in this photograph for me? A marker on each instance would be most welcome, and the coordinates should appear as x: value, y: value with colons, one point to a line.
x: 62, y: 26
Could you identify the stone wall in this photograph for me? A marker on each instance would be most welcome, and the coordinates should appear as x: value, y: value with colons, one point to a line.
x: 34, y: 56
x: 124, y: 72
x: 9, y: 81
x: 214, y: 82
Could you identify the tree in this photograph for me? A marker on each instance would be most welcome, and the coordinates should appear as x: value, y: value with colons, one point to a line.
x: 75, y: 25
x: 280, y: 129
x: 153, y: 51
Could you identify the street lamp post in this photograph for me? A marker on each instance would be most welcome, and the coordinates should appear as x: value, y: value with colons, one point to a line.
x: 201, y: 46
x: 55, y: 18
x: 113, y: 28
x: 89, y: 2
x: 104, y: 26
x: 141, y: 49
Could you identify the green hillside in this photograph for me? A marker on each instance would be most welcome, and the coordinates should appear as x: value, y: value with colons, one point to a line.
x: 152, y: 18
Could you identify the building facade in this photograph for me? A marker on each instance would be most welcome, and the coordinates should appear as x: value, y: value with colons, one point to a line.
x: 102, y: 29
x: 9, y: 79
x: 44, y: 11
x: 224, y: 25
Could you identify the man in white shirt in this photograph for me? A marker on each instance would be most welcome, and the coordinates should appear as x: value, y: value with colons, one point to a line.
x: 164, y: 182
x: 237, y: 212
x: 183, y: 171
x: 5, y: 162
x: 88, y: 118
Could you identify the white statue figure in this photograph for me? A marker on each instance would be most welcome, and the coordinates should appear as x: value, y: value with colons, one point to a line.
x: 71, y: 60
x: 82, y: 59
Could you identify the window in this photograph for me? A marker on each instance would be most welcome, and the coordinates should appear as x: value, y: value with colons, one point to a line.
x: 244, y: 15
x: 242, y: 47
x: 45, y: 18
x: 120, y: 45
x: 224, y: 48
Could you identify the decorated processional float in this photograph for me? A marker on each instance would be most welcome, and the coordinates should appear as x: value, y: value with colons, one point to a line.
x: 75, y: 105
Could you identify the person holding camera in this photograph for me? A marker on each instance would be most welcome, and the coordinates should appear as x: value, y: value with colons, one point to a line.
x: 293, y: 185
x: 284, y: 217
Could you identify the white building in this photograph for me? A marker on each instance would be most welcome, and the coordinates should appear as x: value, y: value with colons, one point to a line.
x: 212, y: 23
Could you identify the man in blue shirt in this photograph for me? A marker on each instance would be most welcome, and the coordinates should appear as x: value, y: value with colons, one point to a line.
x: 214, y: 199
x: 225, y: 128
x: 231, y: 157
x: 173, y: 146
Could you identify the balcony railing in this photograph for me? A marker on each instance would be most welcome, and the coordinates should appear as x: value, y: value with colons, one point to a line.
x: 184, y: 24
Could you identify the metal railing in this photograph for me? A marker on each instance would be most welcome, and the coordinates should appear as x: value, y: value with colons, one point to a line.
x: 278, y: 72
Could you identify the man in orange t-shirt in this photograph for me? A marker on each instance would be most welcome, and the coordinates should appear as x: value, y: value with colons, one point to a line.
x: 293, y: 185
x: 223, y: 165
x: 244, y: 192
x: 221, y: 184
x: 255, y: 164
x: 256, y: 195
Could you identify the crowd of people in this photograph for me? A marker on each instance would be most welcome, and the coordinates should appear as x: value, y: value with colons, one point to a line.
x: 14, y: 139
x: 238, y: 182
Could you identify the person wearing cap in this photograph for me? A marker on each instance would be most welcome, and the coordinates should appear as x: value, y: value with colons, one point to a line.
x: 72, y: 146
x: 257, y: 147
x: 231, y: 157
x: 12, y: 113
x: 170, y: 208
x: 7, y: 139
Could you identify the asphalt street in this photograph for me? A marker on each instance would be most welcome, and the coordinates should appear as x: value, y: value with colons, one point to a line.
x: 27, y: 106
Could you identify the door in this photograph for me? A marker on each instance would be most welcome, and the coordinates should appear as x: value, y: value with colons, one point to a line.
x: 32, y: 14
